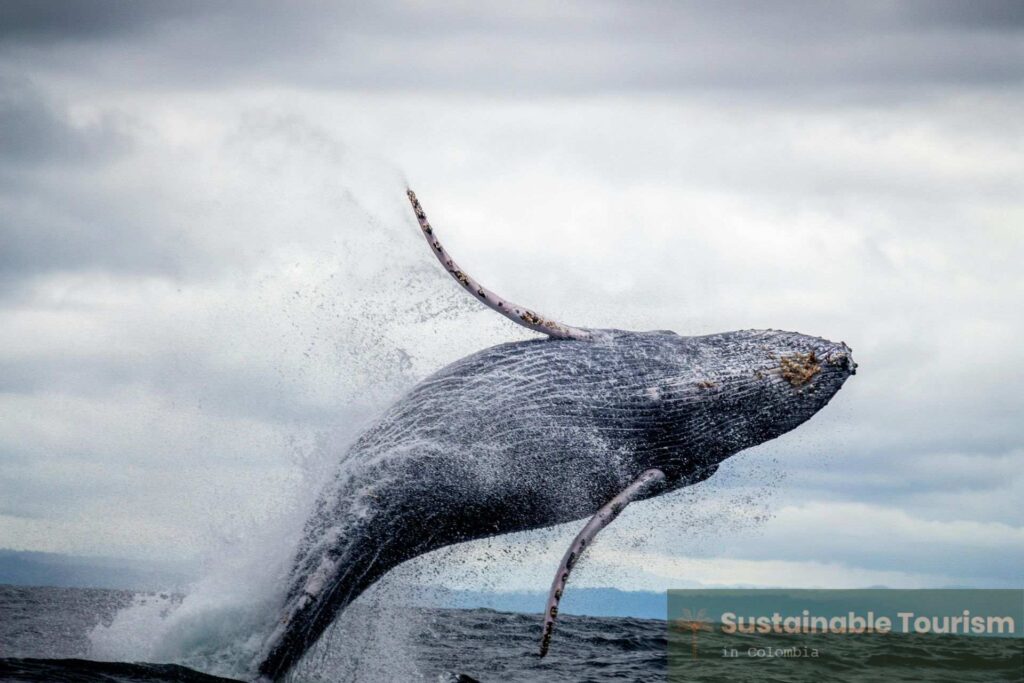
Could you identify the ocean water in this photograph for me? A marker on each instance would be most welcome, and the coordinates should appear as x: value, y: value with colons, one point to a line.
x: 46, y: 634
x: 418, y: 644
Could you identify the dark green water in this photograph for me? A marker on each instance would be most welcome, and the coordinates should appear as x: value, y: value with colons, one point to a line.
x: 913, y: 658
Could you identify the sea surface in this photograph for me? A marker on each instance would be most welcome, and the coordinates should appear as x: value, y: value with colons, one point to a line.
x: 436, y: 645
x: 45, y: 635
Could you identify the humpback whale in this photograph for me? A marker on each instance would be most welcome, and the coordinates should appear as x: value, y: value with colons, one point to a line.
x: 535, y: 433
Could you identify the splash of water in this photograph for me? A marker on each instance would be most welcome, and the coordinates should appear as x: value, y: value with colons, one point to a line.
x: 348, y: 316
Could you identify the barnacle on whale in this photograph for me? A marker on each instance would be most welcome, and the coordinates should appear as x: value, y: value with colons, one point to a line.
x: 799, y: 368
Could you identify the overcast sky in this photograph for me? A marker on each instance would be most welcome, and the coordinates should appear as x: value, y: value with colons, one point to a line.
x: 210, y: 278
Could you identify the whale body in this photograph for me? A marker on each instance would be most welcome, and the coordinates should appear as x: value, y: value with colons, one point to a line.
x: 531, y: 434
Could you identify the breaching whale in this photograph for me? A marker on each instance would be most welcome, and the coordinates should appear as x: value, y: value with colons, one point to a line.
x: 535, y: 433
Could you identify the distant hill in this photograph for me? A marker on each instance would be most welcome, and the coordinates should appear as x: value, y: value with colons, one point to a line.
x: 22, y: 568
x: 597, y: 602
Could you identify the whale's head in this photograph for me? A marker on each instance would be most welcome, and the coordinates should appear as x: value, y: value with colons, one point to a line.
x: 701, y: 399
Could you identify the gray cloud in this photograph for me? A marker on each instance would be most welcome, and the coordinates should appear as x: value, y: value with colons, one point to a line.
x: 35, y: 131
x: 50, y: 217
x: 53, y: 20
x: 84, y: 196
x: 780, y: 50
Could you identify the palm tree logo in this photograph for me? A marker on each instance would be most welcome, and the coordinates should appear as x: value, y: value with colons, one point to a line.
x: 693, y: 622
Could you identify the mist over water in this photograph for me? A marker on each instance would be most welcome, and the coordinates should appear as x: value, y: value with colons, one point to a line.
x: 346, y: 318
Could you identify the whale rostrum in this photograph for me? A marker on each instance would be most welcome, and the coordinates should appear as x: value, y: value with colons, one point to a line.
x: 531, y: 434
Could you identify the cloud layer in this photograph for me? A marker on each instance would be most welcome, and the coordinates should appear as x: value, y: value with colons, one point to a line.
x: 209, y: 278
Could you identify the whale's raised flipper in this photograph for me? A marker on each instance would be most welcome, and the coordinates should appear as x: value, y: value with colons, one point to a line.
x: 513, y: 312
x: 644, y: 483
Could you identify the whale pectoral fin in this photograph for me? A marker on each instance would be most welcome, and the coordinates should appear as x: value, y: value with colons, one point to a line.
x: 517, y: 314
x: 643, y: 484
